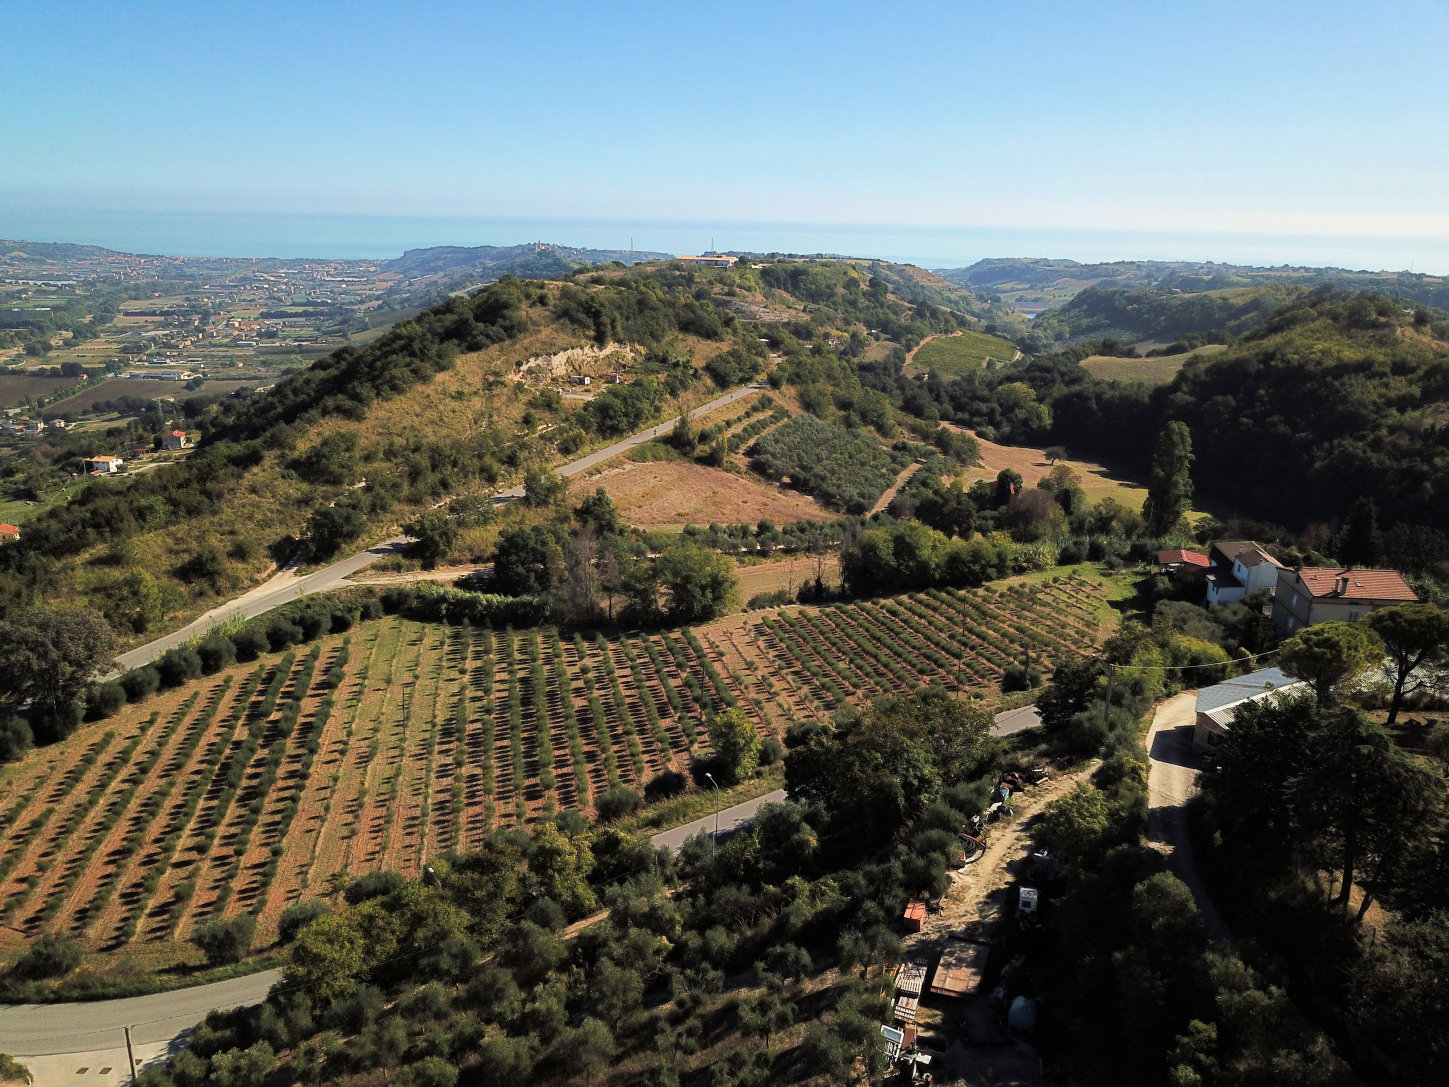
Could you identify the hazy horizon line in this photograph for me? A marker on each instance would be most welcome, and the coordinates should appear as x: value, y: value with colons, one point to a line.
x: 295, y: 235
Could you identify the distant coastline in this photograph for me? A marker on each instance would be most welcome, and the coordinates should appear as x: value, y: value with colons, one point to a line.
x: 242, y: 234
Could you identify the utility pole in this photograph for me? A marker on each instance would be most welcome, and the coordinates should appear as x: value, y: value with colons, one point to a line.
x: 714, y: 838
x: 131, y: 1056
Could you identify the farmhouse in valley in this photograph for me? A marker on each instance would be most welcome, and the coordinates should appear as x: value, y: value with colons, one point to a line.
x: 1239, y: 567
x: 1317, y: 594
x: 8, y: 532
x: 1218, y: 704
x: 173, y: 439
x: 105, y: 464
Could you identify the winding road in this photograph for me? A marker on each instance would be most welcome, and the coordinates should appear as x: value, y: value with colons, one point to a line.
x: 288, y: 584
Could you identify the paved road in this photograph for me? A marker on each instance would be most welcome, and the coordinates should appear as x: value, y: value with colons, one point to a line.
x: 288, y: 585
x: 730, y: 819
x: 32, y: 1029
x: 1012, y: 721
x: 1171, y: 780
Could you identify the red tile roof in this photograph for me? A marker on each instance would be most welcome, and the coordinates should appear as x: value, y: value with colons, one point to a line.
x: 1178, y: 555
x: 1349, y: 584
x: 9, y: 530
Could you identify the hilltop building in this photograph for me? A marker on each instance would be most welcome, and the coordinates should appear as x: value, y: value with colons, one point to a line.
x: 710, y: 260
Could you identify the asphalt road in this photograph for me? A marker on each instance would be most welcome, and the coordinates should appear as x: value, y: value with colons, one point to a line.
x: 729, y: 819
x: 288, y: 585
x: 28, y: 1030
x: 1012, y: 721
x: 1172, y: 773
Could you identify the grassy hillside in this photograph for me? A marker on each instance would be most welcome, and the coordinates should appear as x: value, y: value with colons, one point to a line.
x: 962, y: 352
x: 457, y: 401
x: 1154, y: 371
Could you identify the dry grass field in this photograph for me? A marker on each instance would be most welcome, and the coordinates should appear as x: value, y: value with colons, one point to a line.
x: 661, y: 494
x: 1158, y: 371
x: 1031, y: 462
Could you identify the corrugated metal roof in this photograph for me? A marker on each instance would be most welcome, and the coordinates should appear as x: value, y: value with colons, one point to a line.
x: 1249, y: 686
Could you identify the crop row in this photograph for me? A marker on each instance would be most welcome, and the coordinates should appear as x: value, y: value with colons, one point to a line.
x: 845, y: 653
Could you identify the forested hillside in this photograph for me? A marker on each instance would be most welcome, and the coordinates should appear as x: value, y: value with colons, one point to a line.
x: 1161, y: 315
x: 1334, y: 397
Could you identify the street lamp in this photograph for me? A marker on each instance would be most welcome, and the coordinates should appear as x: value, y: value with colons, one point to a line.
x: 714, y: 838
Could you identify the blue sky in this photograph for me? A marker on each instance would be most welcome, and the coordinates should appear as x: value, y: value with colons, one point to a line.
x: 1305, y: 119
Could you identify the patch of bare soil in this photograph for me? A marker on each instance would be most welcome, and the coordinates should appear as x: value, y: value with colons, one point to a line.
x: 660, y: 494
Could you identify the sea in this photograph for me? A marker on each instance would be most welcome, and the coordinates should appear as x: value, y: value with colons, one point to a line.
x: 246, y: 234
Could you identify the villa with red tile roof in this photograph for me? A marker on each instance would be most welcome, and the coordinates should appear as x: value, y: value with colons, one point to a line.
x: 1319, y: 594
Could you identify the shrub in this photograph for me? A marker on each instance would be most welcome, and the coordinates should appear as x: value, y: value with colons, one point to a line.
x: 771, y: 751
x: 1019, y: 677
x: 615, y: 803
x: 373, y: 609
x: 51, y: 956
x: 397, y: 600
x: 140, y: 682
x: 216, y: 651
x: 225, y: 940
x: 350, y: 1013
x: 314, y: 622
x: 373, y: 885
x: 54, y: 723
x: 105, y: 700
x: 769, y: 600
x: 298, y: 916
x: 546, y: 913
x: 177, y: 666
x: 428, y: 1072
x: 282, y: 633
x: 251, y: 642
x: 665, y: 784
x: 12, y: 1071
x: 15, y: 738
x: 429, y: 1001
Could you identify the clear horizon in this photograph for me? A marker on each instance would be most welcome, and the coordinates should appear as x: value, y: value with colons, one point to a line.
x: 1303, y: 133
